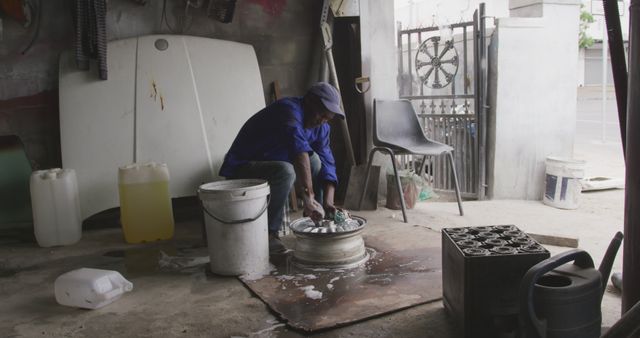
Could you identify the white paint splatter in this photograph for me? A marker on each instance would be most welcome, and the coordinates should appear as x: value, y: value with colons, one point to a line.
x: 252, y: 276
x: 285, y: 277
x: 310, y: 292
x: 262, y: 332
x: 309, y: 277
x: 320, y: 269
x: 255, y: 275
x: 333, y: 280
x: 329, y: 287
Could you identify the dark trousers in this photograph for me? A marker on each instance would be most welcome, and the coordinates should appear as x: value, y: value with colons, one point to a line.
x: 281, y: 176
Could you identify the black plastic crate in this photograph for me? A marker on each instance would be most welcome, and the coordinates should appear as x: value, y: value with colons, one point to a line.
x: 481, y: 272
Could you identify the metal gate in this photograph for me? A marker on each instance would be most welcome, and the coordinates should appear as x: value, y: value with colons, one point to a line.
x: 443, y: 73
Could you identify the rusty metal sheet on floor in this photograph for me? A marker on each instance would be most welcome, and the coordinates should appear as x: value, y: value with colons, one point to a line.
x: 315, y: 298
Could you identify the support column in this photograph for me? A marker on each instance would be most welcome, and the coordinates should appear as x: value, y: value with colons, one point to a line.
x: 534, y: 55
x: 631, y: 259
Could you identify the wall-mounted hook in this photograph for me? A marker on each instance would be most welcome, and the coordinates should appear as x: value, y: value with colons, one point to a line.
x: 360, y: 81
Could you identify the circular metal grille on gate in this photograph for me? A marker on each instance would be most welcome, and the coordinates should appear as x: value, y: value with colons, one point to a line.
x: 436, y: 62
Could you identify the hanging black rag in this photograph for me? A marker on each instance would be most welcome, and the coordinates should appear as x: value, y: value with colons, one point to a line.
x: 222, y: 10
x: 91, y: 34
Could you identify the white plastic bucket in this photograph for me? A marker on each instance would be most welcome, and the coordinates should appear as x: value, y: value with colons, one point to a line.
x: 236, y: 223
x: 90, y: 288
x: 562, y: 182
x: 56, y: 207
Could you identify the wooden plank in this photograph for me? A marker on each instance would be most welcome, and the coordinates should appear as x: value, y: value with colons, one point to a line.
x: 568, y: 242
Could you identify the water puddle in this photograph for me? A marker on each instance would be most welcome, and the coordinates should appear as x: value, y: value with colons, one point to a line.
x: 382, y: 268
x: 5, y: 273
x: 311, y: 298
x: 161, y: 259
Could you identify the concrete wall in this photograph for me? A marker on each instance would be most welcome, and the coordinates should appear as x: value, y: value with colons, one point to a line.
x: 378, y: 37
x: 533, y: 76
x: 425, y: 13
x: 591, y: 59
x: 377, y: 34
x: 281, y: 31
x: 581, y: 67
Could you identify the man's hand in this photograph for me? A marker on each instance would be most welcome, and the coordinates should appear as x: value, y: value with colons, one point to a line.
x: 314, y: 210
x: 304, y: 185
x: 329, y: 208
x: 330, y: 211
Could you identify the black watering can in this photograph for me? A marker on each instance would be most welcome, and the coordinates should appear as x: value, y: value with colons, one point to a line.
x: 563, y: 301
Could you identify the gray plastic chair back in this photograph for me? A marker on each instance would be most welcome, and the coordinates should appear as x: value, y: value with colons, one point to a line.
x: 396, y: 127
x: 396, y: 123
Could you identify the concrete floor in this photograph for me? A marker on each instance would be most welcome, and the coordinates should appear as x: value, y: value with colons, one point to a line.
x: 194, y: 303
x: 166, y: 302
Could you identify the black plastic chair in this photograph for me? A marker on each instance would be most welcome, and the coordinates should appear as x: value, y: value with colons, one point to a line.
x: 397, y: 131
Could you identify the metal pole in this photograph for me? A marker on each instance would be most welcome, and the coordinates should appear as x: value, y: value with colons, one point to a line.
x: 400, y: 67
x: 631, y: 259
x: 481, y: 132
x: 604, y: 82
x: 477, y: 102
x: 618, y: 63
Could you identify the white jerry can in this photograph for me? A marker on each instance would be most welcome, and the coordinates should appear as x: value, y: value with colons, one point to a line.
x: 146, y: 213
x: 56, y: 207
x: 90, y: 288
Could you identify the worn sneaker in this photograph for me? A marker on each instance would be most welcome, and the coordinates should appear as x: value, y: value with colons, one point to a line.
x: 275, y: 244
x: 616, y: 280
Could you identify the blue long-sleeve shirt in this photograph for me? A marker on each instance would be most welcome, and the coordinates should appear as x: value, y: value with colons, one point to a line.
x: 277, y: 133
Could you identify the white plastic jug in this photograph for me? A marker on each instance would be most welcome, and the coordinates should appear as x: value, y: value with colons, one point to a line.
x: 90, y: 288
x: 56, y: 207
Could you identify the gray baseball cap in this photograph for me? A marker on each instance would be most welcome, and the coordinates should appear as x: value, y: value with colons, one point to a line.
x: 329, y: 96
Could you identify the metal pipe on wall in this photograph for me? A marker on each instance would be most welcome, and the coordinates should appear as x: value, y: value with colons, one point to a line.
x: 483, y: 108
x: 618, y: 62
x: 603, y: 112
x: 631, y: 259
